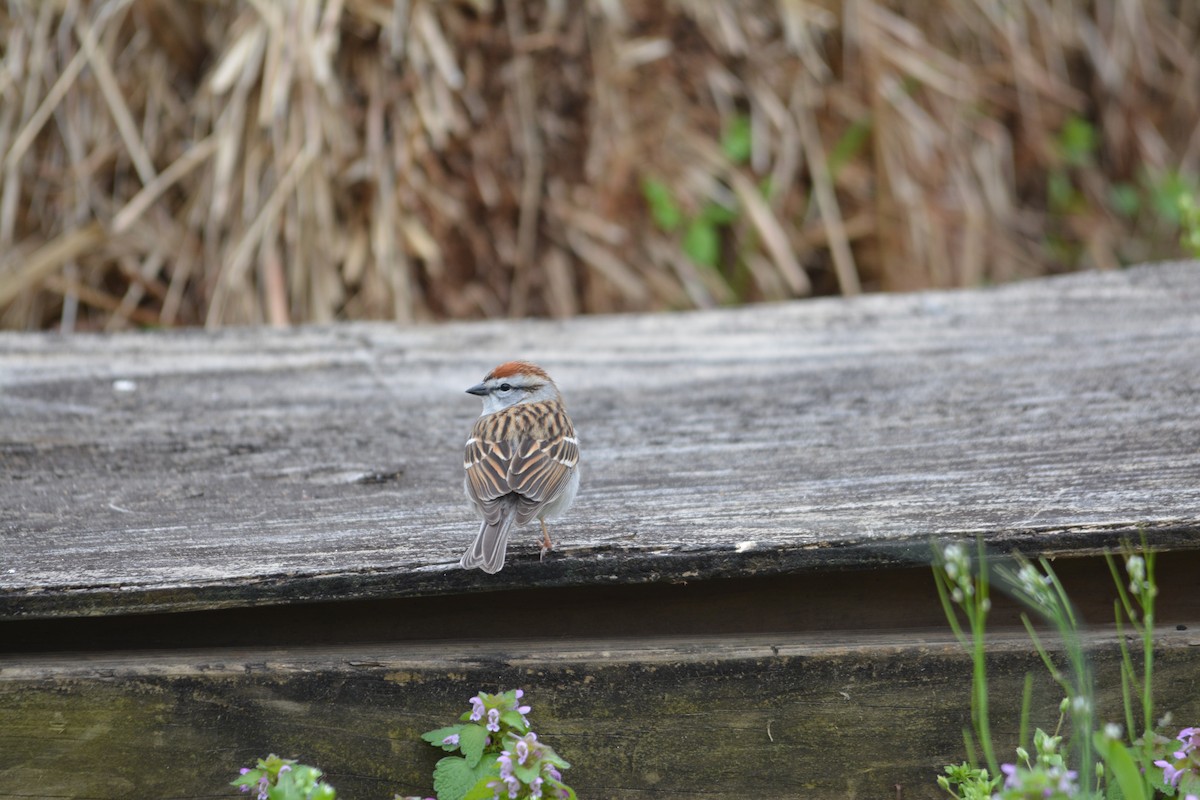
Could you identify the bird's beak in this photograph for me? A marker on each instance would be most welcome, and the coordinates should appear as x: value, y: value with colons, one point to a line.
x: 478, y: 389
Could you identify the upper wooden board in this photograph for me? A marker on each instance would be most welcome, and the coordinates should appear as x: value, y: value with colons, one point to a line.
x: 184, y: 469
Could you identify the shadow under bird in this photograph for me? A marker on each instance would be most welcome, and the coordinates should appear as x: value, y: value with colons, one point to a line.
x: 522, y: 459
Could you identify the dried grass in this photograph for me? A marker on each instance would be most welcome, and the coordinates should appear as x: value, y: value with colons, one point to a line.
x: 248, y: 161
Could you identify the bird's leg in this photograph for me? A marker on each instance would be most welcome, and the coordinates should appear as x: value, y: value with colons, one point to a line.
x: 547, y: 545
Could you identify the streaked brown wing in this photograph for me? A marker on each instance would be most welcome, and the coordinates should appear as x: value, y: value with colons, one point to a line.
x: 539, y: 471
x: 535, y: 471
x: 487, y: 475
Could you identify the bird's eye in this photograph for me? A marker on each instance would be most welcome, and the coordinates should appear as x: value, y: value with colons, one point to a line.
x: 506, y: 387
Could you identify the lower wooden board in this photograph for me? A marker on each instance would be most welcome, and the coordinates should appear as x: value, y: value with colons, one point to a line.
x: 869, y: 715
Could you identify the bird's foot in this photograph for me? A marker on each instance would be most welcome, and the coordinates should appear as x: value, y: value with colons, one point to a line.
x: 547, y: 545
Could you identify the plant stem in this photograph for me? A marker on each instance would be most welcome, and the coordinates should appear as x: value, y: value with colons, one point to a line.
x: 980, y: 606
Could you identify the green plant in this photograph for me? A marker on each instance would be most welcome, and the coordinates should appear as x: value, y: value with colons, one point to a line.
x: 959, y: 585
x: 277, y: 778
x: 1189, y: 222
x: 501, y: 756
x: 1161, y: 202
x: 663, y: 208
x: 1077, y: 142
x: 1044, y: 776
x: 737, y: 140
x: 703, y: 232
x: 1135, y: 606
x: 701, y: 239
x: 1076, y: 147
x: 966, y: 782
x: 1140, y: 769
x: 1039, y: 588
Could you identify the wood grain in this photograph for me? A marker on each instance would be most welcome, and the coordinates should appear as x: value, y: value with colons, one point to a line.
x: 192, y: 470
x: 769, y: 716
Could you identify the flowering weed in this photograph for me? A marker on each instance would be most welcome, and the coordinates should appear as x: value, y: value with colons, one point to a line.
x: 1096, y: 764
x: 501, y: 756
x: 275, y: 778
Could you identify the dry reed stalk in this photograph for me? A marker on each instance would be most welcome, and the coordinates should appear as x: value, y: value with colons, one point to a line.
x: 246, y: 161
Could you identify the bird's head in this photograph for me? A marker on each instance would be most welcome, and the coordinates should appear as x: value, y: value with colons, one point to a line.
x: 512, y: 383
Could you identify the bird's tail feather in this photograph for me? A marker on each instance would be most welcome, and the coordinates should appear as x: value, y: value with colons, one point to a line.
x: 488, y: 549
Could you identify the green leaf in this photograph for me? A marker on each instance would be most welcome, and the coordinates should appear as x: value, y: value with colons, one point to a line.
x: 663, y: 207
x: 528, y: 771
x: 301, y: 782
x: 285, y: 789
x: 483, y: 773
x: 702, y: 243
x: 1077, y: 141
x: 249, y: 779
x: 737, y: 140
x: 1189, y: 222
x: 436, y: 737
x: 1124, y: 199
x: 453, y: 778
x: 481, y: 791
x: 472, y: 739
x: 717, y: 214
x: 514, y: 720
x: 1165, y: 191
x: 1120, y: 765
x: 556, y: 760
x: 1189, y: 784
x: 1062, y: 196
x: 551, y: 757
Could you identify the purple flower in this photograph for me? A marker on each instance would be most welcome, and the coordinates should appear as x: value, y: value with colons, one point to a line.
x: 514, y: 787
x: 1171, y: 775
x: 535, y: 789
x: 525, y: 745
x: 245, y: 770
x: 1049, y: 780
x: 476, y: 708
x: 506, y: 765
x: 493, y: 723
x: 452, y: 739
x: 520, y: 709
x: 1190, y: 738
x: 1066, y: 781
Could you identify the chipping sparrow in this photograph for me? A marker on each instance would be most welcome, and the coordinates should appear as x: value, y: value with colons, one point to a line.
x: 522, y: 459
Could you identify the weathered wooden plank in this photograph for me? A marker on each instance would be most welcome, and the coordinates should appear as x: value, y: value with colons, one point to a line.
x: 258, y: 466
x: 835, y: 602
x: 781, y: 686
x: 768, y: 716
